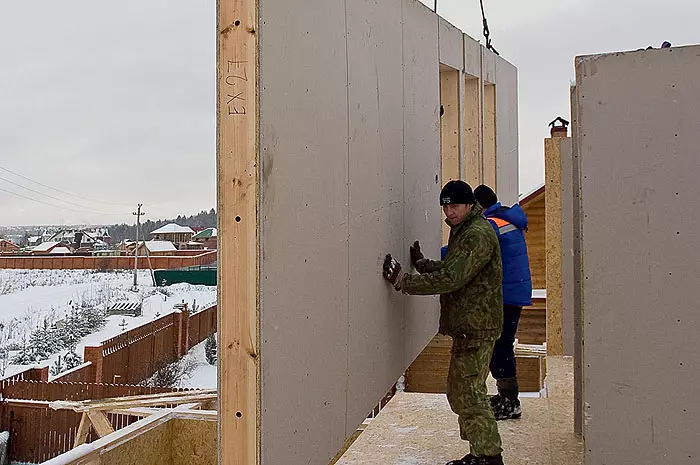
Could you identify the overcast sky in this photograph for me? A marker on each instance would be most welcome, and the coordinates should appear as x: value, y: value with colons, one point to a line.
x: 114, y: 103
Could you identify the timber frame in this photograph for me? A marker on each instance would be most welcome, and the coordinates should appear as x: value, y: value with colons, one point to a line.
x: 238, y: 193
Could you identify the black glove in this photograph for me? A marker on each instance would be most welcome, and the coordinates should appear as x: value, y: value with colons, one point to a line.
x: 392, y: 271
x: 416, y: 254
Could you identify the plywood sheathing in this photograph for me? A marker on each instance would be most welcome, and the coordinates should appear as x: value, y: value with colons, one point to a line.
x: 421, y: 429
x: 152, y: 448
x: 552, y: 163
x: 638, y: 141
x: 489, y: 157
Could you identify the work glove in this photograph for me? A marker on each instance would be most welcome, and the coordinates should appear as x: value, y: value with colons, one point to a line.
x: 416, y: 254
x: 392, y: 272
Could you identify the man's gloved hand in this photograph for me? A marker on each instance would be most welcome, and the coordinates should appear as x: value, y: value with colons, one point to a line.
x: 392, y: 271
x: 416, y: 254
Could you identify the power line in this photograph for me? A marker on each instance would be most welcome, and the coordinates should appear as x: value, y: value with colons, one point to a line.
x: 59, y: 190
x: 56, y: 198
x: 55, y: 206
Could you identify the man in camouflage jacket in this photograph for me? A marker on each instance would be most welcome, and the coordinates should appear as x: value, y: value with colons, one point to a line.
x: 471, y: 301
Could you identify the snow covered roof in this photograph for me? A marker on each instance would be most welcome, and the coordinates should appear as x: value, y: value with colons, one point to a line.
x: 45, y: 246
x: 160, y: 246
x: 173, y: 228
x: 209, y: 232
x: 60, y: 250
x: 34, y: 238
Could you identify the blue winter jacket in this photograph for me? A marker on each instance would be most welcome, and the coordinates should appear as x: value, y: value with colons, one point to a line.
x: 517, y: 282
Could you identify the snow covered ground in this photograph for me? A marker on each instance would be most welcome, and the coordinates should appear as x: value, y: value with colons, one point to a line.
x: 28, y: 297
x: 204, y: 375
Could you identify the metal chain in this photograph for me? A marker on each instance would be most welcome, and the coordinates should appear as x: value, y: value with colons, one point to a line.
x: 487, y: 33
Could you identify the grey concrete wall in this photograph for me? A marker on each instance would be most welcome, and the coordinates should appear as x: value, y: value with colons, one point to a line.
x: 472, y: 57
x: 350, y: 151
x: 450, y: 45
x: 638, y: 141
x: 507, y: 181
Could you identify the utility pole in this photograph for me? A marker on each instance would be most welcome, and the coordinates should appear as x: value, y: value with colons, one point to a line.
x: 138, y: 214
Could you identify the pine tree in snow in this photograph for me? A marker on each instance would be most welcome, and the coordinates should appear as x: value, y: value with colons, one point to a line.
x: 210, y: 350
x: 57, y: 367
x: 72, y: 359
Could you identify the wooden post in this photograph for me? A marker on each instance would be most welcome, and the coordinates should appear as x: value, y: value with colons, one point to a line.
x: 553, y: 211
x: 238, y: 180
x: 489, y: 161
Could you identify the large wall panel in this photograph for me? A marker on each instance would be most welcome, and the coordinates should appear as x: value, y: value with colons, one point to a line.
x: 637, y: 116
x: 422, y: 213
x: 507, y: 164
x: 304, y: 283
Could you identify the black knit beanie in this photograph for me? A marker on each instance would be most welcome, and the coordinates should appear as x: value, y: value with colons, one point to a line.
x: 485, y: 196
x: 457, y: 192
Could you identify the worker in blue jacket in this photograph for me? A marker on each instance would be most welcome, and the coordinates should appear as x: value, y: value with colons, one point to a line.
x: 510, y: 224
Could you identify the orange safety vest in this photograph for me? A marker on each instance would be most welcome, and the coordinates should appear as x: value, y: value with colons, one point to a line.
x: 502, y: 225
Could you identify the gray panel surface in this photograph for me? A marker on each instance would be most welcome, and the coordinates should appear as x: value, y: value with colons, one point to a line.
x: 472, y: 57
x: 506, y: 130
x: 304, y: 296
x: 376, y: 335
x: 638, y: 141
x: 451, y: 50
x: 422, y: 213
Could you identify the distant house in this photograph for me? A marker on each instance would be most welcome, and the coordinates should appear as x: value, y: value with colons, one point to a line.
x: 34, y: 241
x: 47, y: 248
x: 178, y: 235
x: 77, y: 238
x: 156, y: 248
x: 205, y: 239
x: 533, y: 204
x: 8, y: 247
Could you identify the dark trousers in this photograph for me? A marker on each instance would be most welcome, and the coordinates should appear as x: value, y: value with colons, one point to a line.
x: 503, y: 359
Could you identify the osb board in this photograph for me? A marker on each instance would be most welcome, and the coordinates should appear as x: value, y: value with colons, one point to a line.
x: 637, y: 115
x: 337, y: 195
x: 532, y: 328
x: 553, y: 205
x: 153, y: 447
x: 568, y: 278
x: 535, y: 237
x: 421, y: 429
x: 449, y: 132
x: 507, y: 163
x: 489, y: 144
x: 192, y: 442
x: 471, y: 140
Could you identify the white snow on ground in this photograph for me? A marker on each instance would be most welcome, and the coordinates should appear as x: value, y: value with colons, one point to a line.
x: 29, y: 296
x: 204, y: 376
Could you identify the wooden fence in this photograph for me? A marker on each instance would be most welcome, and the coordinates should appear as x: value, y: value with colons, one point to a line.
x: 39, y: 433
x: 26, y: 262
x: 134, y: 355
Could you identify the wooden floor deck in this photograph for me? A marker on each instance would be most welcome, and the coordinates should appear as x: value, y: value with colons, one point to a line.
x: 417, y: 429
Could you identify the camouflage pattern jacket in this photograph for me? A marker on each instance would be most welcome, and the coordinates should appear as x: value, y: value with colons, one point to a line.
x: 469, y: 281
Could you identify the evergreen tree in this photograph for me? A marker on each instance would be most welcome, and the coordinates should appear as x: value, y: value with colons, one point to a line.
x: 210, y: 350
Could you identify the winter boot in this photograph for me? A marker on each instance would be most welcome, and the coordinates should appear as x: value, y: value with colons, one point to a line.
x: 506, y: 405
x: 471, y: 460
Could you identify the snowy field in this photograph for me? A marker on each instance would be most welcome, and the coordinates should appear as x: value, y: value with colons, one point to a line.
x: 32, y: 299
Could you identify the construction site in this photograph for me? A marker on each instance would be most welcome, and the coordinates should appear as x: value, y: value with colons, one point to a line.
x: 338, y: 123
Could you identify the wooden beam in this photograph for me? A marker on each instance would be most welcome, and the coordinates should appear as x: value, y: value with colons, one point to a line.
x: 553, y: 241
x: 100, y: 422
x: 489, y: 175
x: 83, y: 430
x: 472, y: 169
x: 238, y: 192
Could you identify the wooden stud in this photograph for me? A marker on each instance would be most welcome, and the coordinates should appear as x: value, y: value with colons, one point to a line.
x: 83, y: 430
x: 552, y: 167
x: 100, y: 423
x: 489, y: 165
x: 472, y: 168
x: 238, y: 192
